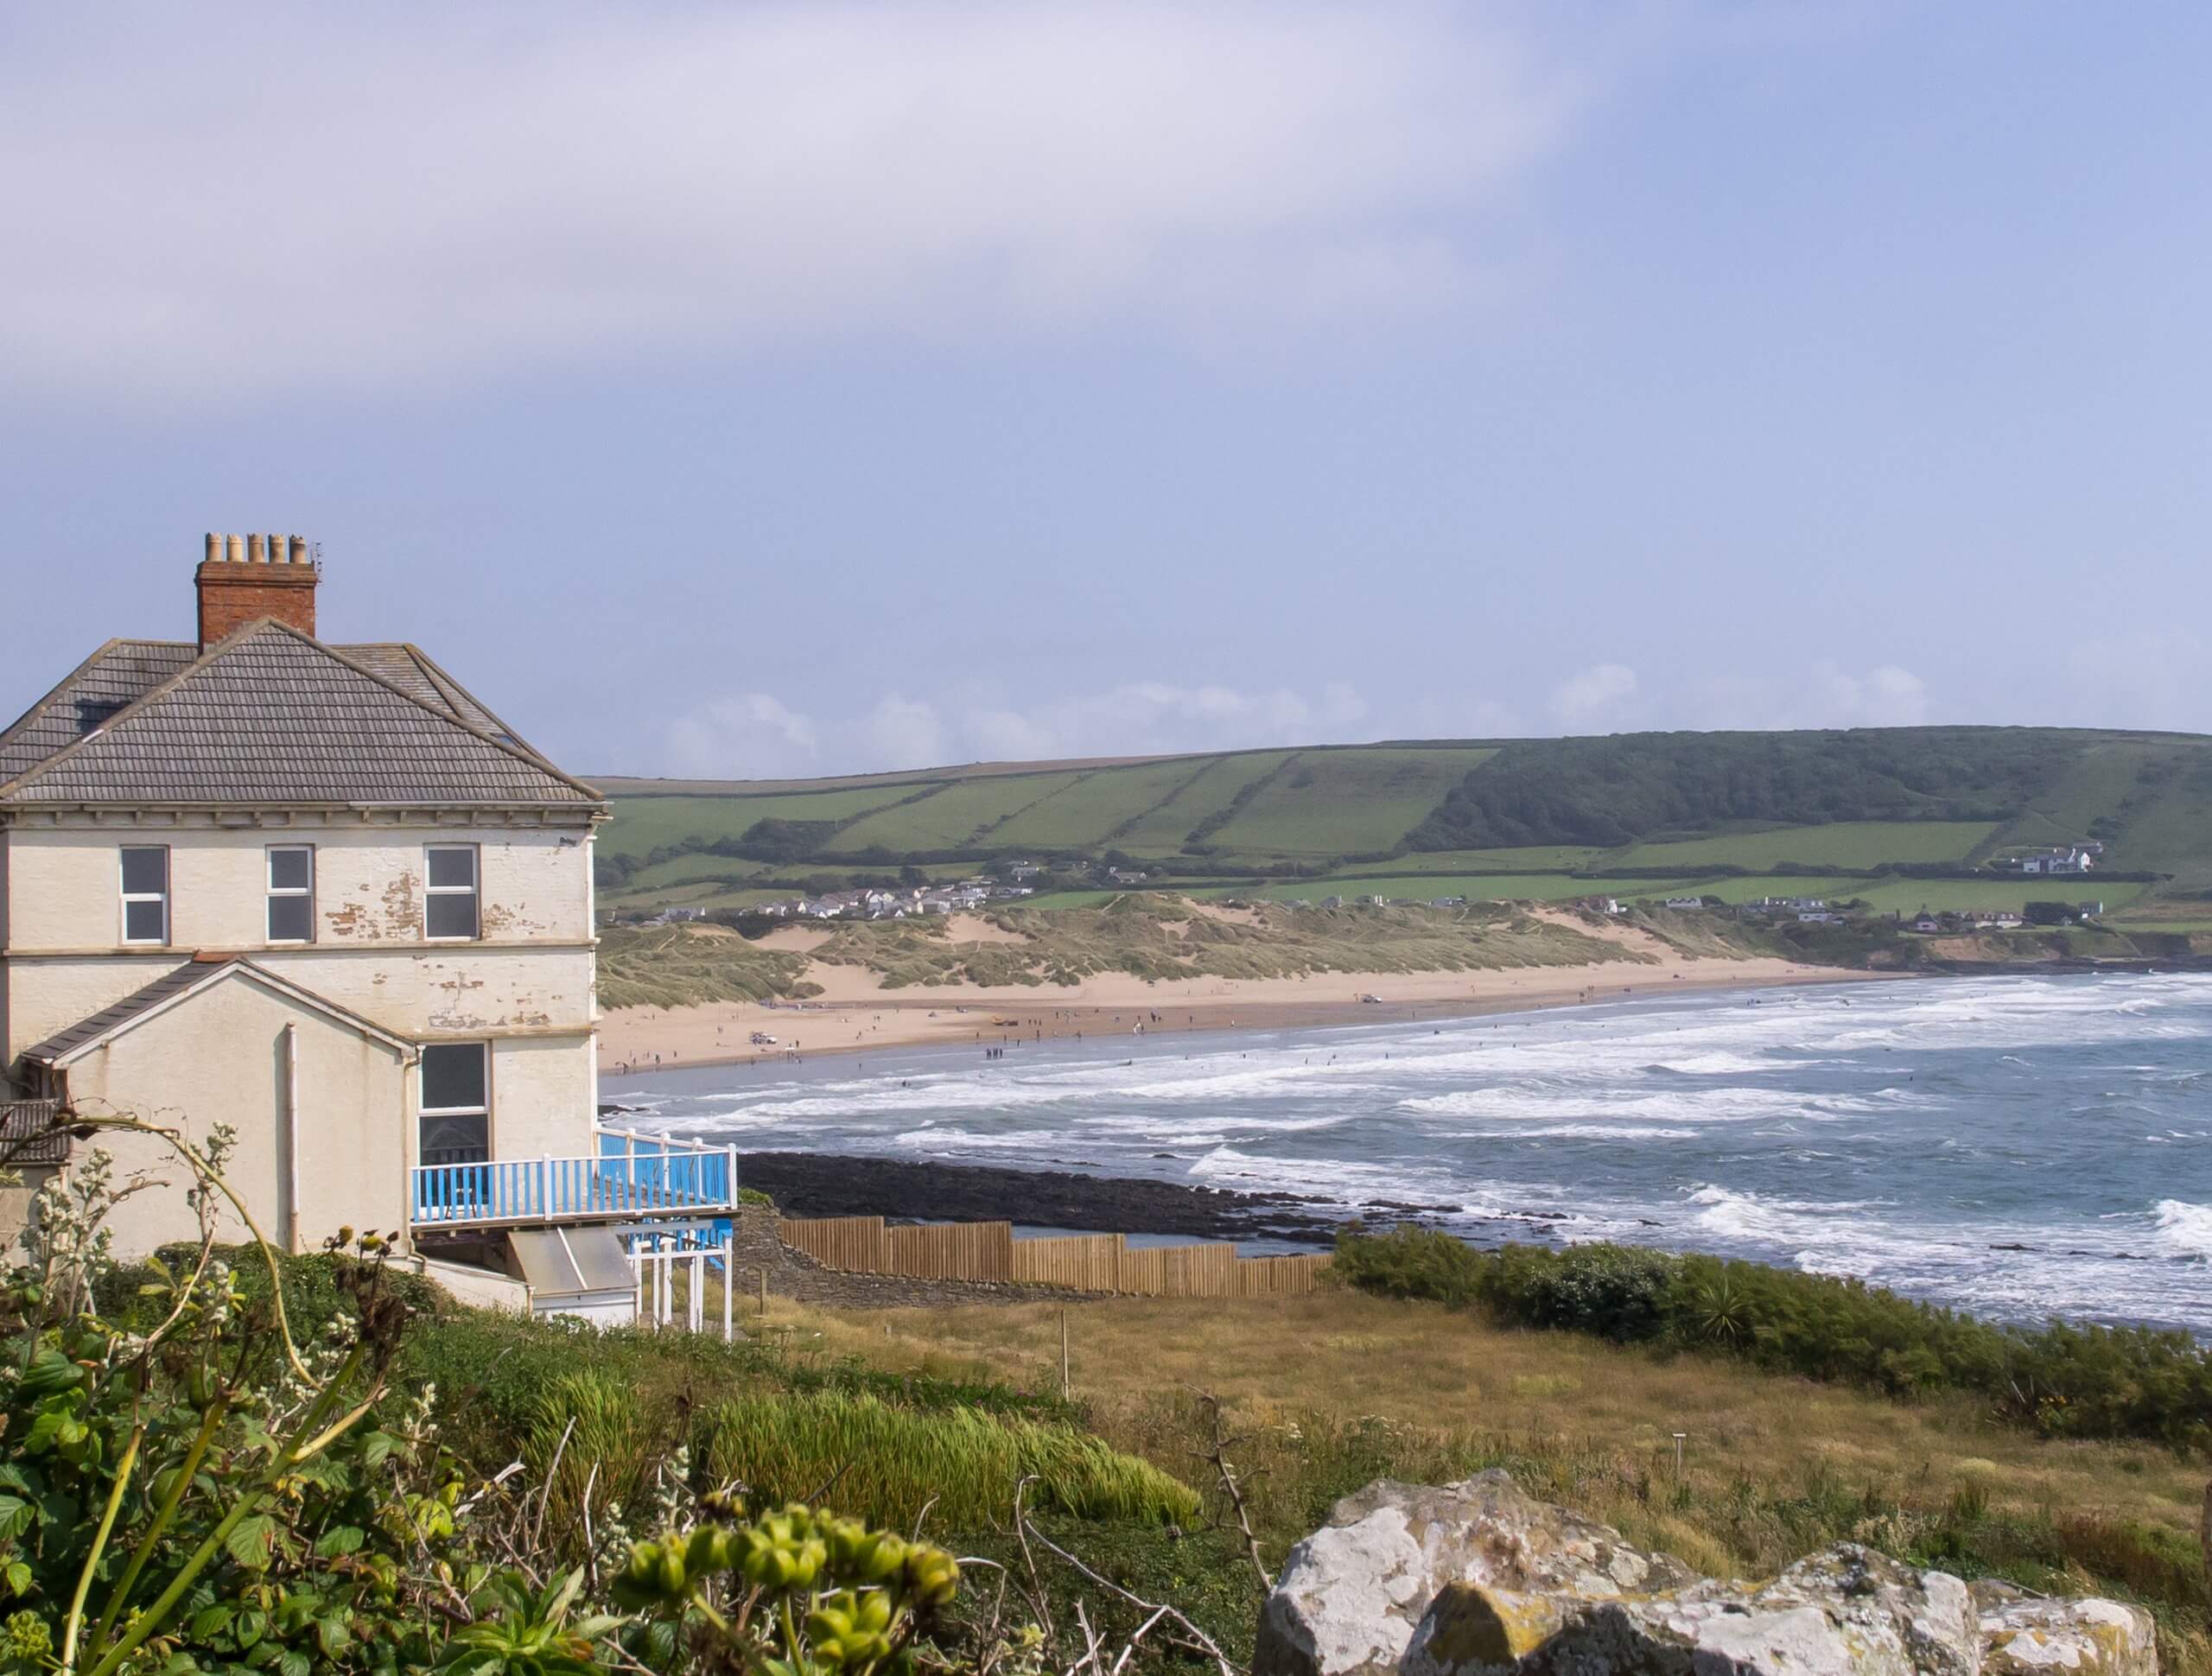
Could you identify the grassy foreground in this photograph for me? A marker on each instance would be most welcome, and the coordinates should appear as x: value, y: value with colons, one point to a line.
x: 1323, y: 1393
x: 930, y: 1419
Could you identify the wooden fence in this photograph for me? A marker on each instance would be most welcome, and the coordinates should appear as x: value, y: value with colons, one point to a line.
x: 1080, y: 1262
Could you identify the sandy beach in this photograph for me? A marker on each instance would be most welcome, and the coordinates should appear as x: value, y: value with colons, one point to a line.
x: 856, y: 1014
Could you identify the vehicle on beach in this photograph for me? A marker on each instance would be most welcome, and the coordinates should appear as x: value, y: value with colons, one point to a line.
x: 1372, y: 1001
x: 762, y: 1038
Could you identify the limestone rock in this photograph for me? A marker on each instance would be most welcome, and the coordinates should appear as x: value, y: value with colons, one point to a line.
x: 1845, y: 1612
x: 1477, y: 1579
x: 1351, y: 1594
x: 2030, y: 1637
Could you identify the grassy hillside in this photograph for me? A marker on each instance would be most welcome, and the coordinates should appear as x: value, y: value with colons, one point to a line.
x: 1899, y: 816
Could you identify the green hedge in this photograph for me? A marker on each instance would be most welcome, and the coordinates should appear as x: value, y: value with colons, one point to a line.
x: 2061, y: 1379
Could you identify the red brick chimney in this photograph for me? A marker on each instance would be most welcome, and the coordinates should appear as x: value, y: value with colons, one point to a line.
x: 244, y: 577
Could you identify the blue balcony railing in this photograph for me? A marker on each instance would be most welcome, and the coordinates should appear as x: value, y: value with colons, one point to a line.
x: 632, y: 1175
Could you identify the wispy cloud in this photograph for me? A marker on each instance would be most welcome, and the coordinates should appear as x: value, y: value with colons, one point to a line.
x: 756, y: 737
x: 1822, y: 695
x: 239, y: 198
x: 1589, y: 699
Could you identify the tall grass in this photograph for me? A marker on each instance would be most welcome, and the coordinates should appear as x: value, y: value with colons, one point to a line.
x: 887, y: 1465
x: 594, y: 1441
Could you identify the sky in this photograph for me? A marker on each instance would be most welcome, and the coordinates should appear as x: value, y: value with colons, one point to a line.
x: 762, y: 390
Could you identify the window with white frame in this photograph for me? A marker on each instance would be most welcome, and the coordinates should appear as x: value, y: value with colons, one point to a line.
x: 456, y: 1104
x: 145, y: 894
x: 449, y: 898
x: 291, y: 893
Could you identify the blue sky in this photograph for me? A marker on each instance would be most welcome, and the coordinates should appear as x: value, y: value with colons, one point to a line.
x: 778, y: 389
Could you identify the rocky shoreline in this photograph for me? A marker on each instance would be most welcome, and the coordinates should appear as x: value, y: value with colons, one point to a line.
x: 925, y: 1189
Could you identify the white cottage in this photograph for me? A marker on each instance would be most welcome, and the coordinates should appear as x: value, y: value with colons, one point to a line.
x: 323, y: 894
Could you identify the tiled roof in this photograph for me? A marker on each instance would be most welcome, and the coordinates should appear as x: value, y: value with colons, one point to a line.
x: 124, y: 671
x: 406, y: 669
x: 119, y: 673
x: 271, y: 716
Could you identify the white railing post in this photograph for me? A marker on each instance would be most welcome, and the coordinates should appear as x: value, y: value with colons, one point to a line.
x: 729, y: 1185
x: 698, y: 1302
x: 729, y: 1285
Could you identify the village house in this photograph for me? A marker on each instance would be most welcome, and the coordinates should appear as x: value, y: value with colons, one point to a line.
x: 2076, y: 858
x: 321, y: 894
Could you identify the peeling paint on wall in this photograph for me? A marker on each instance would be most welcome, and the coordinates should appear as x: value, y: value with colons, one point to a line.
x: 403, y: 916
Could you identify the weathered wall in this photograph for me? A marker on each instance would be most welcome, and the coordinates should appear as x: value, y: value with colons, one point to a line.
x: 66, y: 896
x: 526, y: 986
x: 530, y: 970
x: 219, y: 1058
x: 543, y: 1099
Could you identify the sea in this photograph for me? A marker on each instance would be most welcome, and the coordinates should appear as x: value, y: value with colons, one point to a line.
x: 2019, y: 1146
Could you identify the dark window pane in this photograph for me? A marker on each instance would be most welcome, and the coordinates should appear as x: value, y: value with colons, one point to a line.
x: 291, y: 918
x: 141, y: 921
x: 455, y: 865
x: 290, y: 869
x: 145, y: 871
x: 451, y: 915
x: 456, y: 1140
x: 453, y: 1076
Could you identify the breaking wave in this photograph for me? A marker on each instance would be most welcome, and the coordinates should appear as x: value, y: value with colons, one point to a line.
x: 2013, y: 1145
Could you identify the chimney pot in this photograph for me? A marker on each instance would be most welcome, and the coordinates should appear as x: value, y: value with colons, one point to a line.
x: 276, y: 549
x: 298, y: 546
x: 215, y: 549
x: 237, y: 545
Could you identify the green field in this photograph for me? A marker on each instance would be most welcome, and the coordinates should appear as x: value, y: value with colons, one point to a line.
x: 643, y: 825
x: 1344, y: 802
x: 1534, y: 858
x: 1479, y: 887
x: 683, y: 869
x: 949, y: 818
x: 1163, y: 830
x: 1082, y: 813
x: 1841, y: 844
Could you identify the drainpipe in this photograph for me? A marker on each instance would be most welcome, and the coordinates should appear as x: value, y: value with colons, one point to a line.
x: 292, y: 1139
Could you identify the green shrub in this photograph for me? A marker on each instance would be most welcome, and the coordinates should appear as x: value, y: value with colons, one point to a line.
x: 2062, y: 1379
x: 888, y: 1464
x: 1620, y: 1292
x: 1411, y: 1262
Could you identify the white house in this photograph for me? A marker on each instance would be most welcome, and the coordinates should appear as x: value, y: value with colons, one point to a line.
x: 323, y: 895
